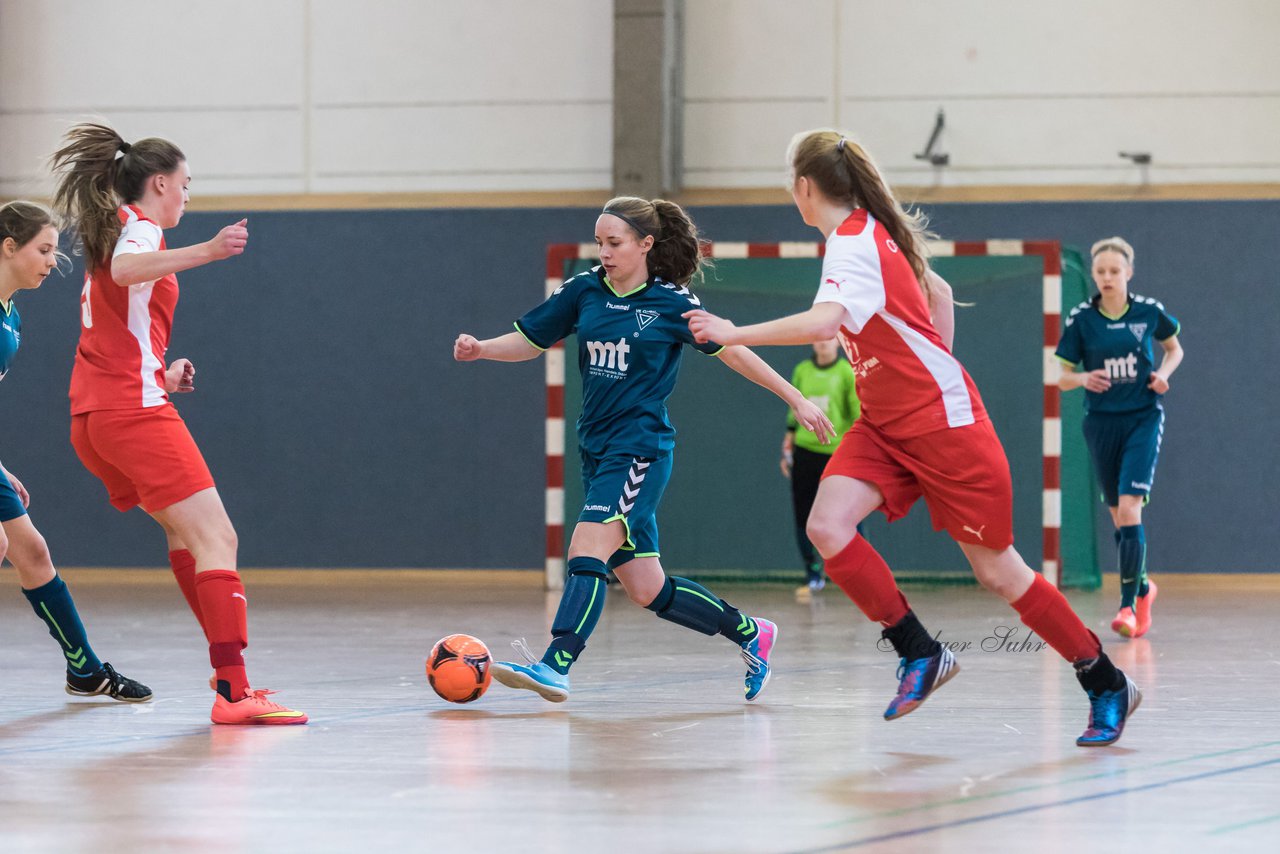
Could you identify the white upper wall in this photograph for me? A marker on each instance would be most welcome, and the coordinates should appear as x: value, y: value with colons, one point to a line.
x: 1034, y: 92
x: 293, y: 96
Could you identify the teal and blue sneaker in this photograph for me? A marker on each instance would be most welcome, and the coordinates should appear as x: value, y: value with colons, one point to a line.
x: 918, y: 678
x: 534, y: 676
x: 755, y: 653
x: 1108, y: 711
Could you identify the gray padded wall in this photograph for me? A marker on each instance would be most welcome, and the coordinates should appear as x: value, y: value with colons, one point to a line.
x: 342, y: 433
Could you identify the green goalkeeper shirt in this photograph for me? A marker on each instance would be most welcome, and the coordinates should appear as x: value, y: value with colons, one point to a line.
x: 833, y: 389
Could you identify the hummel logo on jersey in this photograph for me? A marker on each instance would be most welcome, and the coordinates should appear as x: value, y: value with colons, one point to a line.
x: 598, y: 508
x: 1138, y: 330
x: 644, y: 317
x: 893, y: 247
x: 617, y: 307
x: 1122, y: 368
x: 609, y: 356
x: 977, y: 533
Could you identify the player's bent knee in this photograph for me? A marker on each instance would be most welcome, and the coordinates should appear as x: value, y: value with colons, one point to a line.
x: 828, y: 533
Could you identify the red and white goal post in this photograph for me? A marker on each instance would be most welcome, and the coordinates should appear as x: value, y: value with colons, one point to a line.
x: 561, y: 255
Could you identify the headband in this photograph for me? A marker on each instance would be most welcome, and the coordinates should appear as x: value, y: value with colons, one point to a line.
x: 1114, y: 247
x: 644, y: 232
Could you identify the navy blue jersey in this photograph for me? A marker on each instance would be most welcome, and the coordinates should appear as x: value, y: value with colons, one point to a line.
x: 10, y: 335
x: 629, y: 348
x: 1122, y: 346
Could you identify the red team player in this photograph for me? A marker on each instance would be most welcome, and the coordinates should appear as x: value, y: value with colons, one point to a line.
x: 125, y: 430
x: 923, y: 431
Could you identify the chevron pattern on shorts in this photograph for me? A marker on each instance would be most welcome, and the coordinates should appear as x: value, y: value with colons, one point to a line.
x: 635, y: 477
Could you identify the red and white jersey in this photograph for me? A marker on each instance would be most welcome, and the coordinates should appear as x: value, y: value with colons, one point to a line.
x: 124, y: 331
x: 908, y: 381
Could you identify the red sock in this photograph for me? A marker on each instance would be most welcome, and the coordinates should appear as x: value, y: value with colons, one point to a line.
x: 866, y: 579
x: 183, y: 564
x: 1047, y: 613
x: 225, y: 611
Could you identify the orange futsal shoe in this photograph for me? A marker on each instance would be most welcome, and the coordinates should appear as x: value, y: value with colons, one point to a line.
x: 1143, y: 610
x: 254, y: 709
x: 1125, y: 624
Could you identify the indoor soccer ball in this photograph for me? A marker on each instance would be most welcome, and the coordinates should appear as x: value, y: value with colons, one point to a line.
x: 458, y: 668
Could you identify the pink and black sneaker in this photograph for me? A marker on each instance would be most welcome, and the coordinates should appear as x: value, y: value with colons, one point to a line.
x: 756, y: 653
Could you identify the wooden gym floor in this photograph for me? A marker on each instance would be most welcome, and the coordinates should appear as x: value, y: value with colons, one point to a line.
x: 655, y: 751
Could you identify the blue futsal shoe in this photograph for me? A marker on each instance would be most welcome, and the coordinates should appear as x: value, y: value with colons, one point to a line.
x: 755, y: 653
x: 1108, y: 711
x: 919, y: 678
x: 534, y: 676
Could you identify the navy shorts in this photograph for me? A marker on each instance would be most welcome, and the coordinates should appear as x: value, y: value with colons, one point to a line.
x: 10, y: 504
x: 1124, y: 447
x: 626, y: 488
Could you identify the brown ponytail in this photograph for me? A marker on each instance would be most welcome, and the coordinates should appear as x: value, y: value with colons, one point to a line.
x: 845, y: 173
x: 676, y: 255
x: 97, y: 172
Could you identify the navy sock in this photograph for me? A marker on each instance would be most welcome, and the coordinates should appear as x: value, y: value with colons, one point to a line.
x: 579, y: 611
x: 52, y: 603
x: 689, y: 604
x: 1132, y: 544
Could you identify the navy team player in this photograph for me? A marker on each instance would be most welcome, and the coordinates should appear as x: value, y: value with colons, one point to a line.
x: 1111, y: 335
x: 28, y: 253
x: 627, y: 315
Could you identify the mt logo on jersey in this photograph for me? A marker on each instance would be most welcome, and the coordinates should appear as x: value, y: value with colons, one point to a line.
x: 609, y: 358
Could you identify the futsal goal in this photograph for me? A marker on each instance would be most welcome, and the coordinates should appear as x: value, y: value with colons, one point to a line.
x: 727, y: 510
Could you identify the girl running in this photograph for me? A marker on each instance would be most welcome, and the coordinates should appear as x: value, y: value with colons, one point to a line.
x: 28, y: 253
x: 626, y: 313
x: 828, y: 381
x: 1112, y: 336
x: 923, y: 431
x: 120, y: 197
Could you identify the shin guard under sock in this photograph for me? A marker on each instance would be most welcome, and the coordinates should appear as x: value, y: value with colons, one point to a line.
x: 580, y: 607
x: 53, y: 604
x: 1046, y: 612
x: 866, y: 579
x: 1132, y: 544
x: 689, y: 604
x: 225, y: 610
x: 183, y: 564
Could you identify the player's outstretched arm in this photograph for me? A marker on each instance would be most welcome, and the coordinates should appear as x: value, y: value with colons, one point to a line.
x: 754, y: 368
x: 512, y: 347
x: 136, y: 268
x: 819, y: 323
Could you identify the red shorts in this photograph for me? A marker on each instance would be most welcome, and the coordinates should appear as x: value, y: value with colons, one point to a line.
x: 962, y: 472
x: 144, y: 456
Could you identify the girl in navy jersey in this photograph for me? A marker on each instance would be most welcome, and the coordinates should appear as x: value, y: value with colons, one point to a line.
x: 28, y: 253
x: 923, y: 431
x: 127, y: 433
x: 627, y: 316
x: 1112, y: 336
